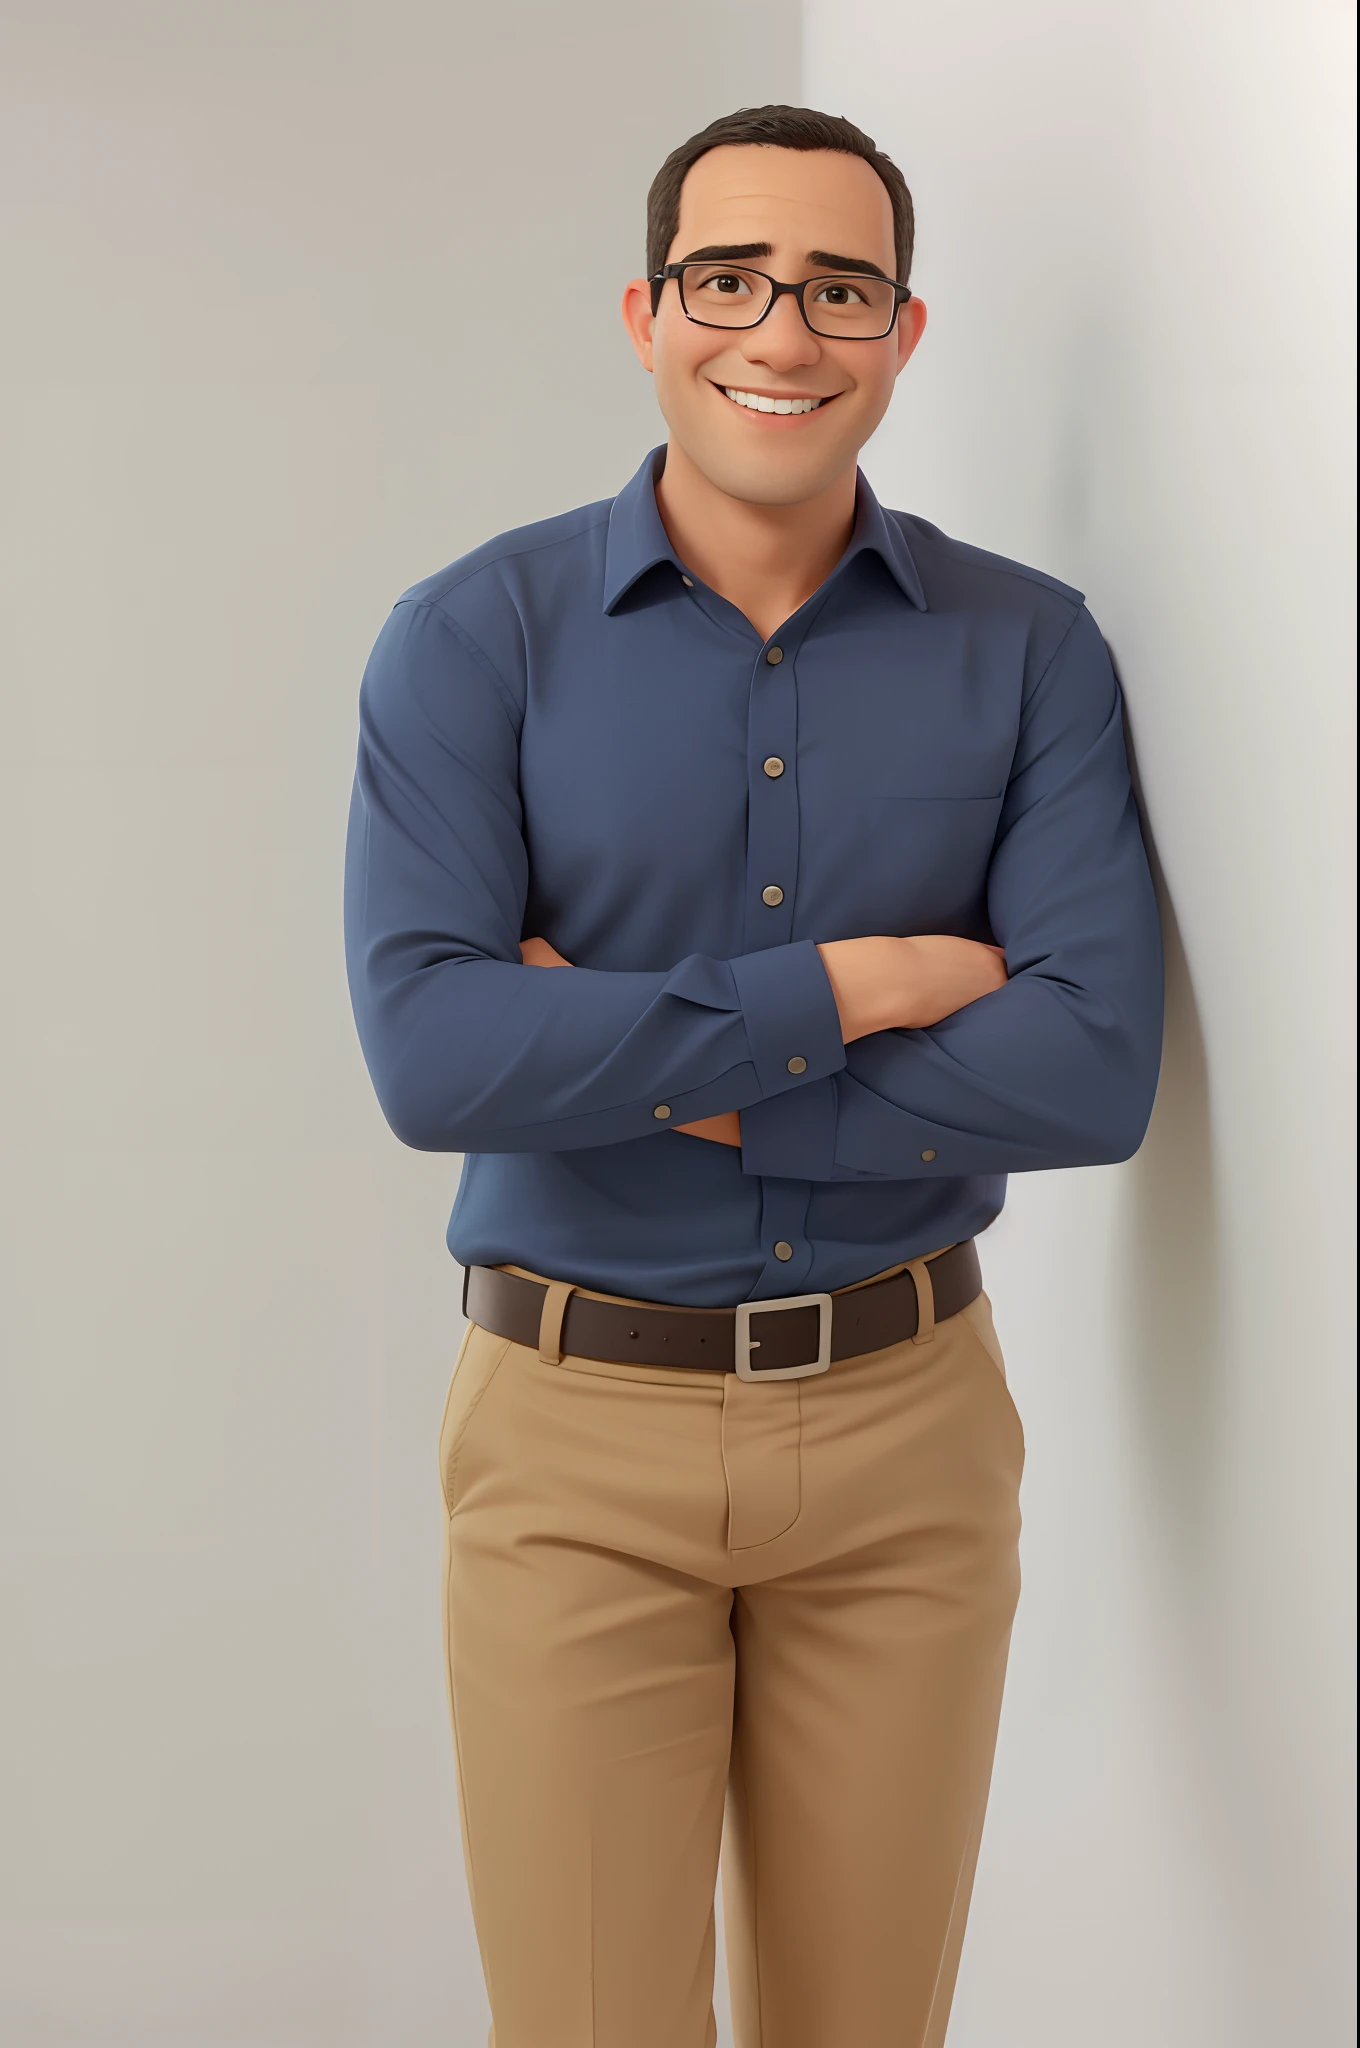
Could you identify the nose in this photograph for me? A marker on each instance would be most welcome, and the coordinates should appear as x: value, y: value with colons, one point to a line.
x: 783, y: 340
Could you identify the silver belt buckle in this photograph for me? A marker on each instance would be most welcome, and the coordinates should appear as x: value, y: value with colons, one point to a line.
x: 746, y: 1344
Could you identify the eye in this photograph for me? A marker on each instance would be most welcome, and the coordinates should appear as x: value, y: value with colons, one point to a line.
x: 727, y: 283
x: 838, y: 291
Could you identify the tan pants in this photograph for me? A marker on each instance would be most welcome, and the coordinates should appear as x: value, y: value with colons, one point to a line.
x: 670, y: 1592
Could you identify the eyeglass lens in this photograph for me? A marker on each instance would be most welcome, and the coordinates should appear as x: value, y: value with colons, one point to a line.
x: 724, y: 295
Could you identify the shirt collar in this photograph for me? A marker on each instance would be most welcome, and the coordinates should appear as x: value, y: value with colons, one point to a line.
x: 637, y: 540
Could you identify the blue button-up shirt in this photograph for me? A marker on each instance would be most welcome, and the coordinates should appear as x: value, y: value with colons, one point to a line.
x: 568, y: 734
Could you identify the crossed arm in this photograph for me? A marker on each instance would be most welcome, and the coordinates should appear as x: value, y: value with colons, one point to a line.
x: 924, y: 1055
x: 879, y: 984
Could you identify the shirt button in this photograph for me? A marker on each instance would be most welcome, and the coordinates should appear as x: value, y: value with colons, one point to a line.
x: 927, y: 1155
x: 772, y: 895
x: 798, y: 1065
x: 663, y: 1110
x: 783, y: 1250
x: 774, y: 766
x: 774, y: 655
x: 688, y: 582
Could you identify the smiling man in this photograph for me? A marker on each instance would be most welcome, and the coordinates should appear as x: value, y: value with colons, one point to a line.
x: 745, y: 878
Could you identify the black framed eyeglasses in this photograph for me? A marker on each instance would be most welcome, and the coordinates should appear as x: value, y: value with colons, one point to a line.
x: 844, y: 304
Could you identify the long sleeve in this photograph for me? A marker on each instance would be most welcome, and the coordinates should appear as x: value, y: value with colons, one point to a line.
x: 469, y: 1049
x: 1059, y: 1067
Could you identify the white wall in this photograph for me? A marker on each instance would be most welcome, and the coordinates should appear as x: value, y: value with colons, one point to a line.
x: 245, y: 408
x: 1135, y: 233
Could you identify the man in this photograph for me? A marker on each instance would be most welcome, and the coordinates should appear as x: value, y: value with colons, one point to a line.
x: 745, y: 879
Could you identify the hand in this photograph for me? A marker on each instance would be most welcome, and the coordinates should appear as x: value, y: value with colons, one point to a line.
x: 884, y: 984
x: 724, y: 1129
x: 538, y: 953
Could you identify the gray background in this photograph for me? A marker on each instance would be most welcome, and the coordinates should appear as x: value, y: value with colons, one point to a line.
x: 262, y: 373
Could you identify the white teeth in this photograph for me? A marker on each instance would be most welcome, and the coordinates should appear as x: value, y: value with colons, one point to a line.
x: 754, y: 403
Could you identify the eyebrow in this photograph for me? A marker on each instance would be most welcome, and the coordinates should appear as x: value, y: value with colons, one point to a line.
x: 739, y: 252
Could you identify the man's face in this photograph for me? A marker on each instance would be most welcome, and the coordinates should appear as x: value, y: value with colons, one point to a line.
x: 793, y: 214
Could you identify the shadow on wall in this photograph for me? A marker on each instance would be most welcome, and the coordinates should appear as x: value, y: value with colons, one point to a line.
x: 1175, y: 1378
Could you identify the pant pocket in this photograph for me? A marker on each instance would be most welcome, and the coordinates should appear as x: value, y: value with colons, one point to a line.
x: 480, y: 1352
x: 978, y: 1316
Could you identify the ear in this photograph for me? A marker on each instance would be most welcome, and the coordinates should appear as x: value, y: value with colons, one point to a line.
x: 638, y: 318
x: 911, y: 321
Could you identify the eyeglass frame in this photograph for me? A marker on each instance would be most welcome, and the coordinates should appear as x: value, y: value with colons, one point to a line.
x: 657, y: 281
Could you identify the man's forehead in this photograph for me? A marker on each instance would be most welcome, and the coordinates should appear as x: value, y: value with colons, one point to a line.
x: 814, y: 198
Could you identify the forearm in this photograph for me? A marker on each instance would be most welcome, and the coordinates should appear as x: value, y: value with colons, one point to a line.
x: 1056, y: 1068
x: 474, y: 1053
x: 876, y: 983
x: 1040, y: 1075
x: 471, y: 1049
x: 1025, y: 1079
x: 722, y: 1129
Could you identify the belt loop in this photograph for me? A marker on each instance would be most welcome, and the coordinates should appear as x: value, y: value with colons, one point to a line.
x: 925, y: 1301
x: 555, y: 1298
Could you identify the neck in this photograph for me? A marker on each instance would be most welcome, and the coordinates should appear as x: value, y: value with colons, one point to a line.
x: 765, y: 559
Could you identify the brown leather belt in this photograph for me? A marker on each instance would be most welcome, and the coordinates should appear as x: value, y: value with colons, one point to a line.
x: 788, y: 1337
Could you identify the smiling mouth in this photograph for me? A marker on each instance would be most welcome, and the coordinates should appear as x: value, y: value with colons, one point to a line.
x: 755, y: 402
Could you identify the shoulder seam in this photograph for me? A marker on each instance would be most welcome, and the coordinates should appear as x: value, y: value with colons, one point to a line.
x: 536, y: 547
x: 1045, y: 582
x: 1063, y: 639
x: 1021, y: 571
x: 478, y: 654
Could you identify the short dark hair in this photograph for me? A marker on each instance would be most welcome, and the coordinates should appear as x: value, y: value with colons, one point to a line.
x: 777, y: 128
